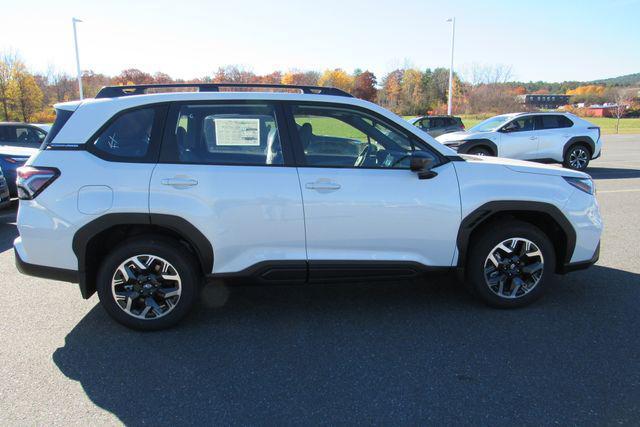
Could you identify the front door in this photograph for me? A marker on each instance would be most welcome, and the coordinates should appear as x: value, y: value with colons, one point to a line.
x: 224, y: 170
x: 519, y: 140
x: 361, y: 201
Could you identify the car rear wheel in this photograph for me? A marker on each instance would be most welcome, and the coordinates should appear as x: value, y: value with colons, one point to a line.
x: 510, y: 264
x: 577, y: 157
x: 148, y: 283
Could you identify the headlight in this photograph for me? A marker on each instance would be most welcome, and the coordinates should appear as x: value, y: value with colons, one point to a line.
x: 584, y: 184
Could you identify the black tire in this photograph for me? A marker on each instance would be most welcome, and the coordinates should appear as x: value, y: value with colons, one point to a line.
x: 491, y: 236
x: 577, y: 157
x: 167, y: 249
x: 480, y: 151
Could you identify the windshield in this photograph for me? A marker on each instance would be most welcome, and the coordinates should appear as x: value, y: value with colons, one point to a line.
x: 490, y: 124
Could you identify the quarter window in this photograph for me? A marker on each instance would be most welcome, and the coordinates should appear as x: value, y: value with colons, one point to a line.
x: 332, y: 137
x: 128, y: 136
x: 227, y: 134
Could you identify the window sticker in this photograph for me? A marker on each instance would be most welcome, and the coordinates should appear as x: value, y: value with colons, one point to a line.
x: 237, y: 132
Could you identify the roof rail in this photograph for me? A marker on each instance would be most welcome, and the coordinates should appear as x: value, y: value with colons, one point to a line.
x: 115, y: 91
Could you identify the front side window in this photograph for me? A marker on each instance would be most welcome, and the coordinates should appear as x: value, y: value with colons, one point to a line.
x: 227, y: 134
x: 128, y: 136
x: 336, y: 137
x: 522, y: 124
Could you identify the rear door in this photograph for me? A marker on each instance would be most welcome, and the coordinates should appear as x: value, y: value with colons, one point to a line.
x: 554, y: 131
x: 362, y: 204
x: 226, y: 169
x: 519, y: 139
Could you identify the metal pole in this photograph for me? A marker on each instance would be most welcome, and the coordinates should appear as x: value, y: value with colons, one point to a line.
x: 453, y: 35
x: 75, y: 40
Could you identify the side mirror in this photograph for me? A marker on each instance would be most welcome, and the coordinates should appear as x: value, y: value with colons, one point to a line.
x: 422, y: 164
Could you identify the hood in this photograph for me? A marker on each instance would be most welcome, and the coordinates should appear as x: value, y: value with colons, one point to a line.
x: 464, y: 136
x: 8, y: 150
x: 524, y: 166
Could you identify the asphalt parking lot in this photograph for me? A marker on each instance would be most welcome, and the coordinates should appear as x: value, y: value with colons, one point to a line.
x: 392, y: 353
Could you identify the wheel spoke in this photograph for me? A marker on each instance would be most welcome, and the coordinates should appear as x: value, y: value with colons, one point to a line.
x: 141, y: 266
x: 150, y: 302
x: 532, y: 268
x: 169, y: 292
x: 516, y: 284
x: 172, y: 277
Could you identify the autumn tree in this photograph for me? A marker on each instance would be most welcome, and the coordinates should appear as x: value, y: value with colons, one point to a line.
x: 23, y: 92
x: 133, y: 76
x: 301, y: 78
x: 389, y: 96
x: 337, y: 78
x: 6, y: 75
x: 364, y: 86
x: 622, y: 98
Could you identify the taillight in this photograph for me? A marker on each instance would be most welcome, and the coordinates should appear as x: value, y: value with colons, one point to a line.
x: 32, y: 180
x: 595, y: 127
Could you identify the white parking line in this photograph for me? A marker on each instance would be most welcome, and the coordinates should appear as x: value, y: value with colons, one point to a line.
x: 626, y: 190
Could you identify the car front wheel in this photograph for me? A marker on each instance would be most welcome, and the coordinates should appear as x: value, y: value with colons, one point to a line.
x: 148, y: 283
x: 510, y: 264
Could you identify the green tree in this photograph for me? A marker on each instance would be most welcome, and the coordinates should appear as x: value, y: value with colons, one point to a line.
x: 24, y: 93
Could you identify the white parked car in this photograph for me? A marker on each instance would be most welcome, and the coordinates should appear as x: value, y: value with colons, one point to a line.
x: 144, y: 196
x: 544, y: 137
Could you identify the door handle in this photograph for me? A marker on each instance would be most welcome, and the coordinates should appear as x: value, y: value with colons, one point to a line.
x: 179, y: 182
x: 322, y: 185
x: 533, y: 138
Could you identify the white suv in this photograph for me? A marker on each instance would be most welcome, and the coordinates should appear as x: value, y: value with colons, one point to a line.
x: 544, y: 137
x: 141, y: 197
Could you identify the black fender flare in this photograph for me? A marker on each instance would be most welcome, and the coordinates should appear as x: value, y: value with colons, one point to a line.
x: 579, y: 139
x: 187, y: 231
x: 484, y: 212
x: 469, y: 144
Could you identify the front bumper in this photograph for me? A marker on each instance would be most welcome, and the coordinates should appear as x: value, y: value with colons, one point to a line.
x: 581, y: 265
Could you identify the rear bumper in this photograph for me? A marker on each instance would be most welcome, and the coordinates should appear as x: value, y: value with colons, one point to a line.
x: 43, y: 271
x: 581, y: 265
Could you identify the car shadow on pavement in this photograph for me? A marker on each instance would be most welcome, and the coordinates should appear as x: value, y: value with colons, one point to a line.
x: 389, y: 353
x: 613, y: 173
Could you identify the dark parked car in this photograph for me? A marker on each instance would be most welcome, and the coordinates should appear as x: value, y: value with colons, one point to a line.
x: 5, y: 199
x: 438, y: 125
x: 18, y: 141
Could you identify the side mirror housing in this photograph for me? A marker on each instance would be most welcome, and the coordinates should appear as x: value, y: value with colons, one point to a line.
x: 422, y: 164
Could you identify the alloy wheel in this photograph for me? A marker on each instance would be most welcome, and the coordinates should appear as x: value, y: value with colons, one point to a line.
x: 513, y: 268
x: 578, y: 158
x: 146, y: 286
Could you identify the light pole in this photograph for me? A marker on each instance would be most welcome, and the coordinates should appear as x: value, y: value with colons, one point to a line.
x: 75, y: 40
x: 453, y: 35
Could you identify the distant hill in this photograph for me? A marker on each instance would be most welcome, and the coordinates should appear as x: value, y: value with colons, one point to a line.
x: 627, y: 80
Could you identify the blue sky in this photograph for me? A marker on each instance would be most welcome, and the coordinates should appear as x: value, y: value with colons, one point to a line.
x: 541, y: 40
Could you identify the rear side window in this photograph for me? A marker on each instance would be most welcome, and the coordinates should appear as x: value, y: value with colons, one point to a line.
x: 553, y: 122
x: 62, y: 116
x: 224, y: 134
x: 8, y: 134
x: 128, y: 136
